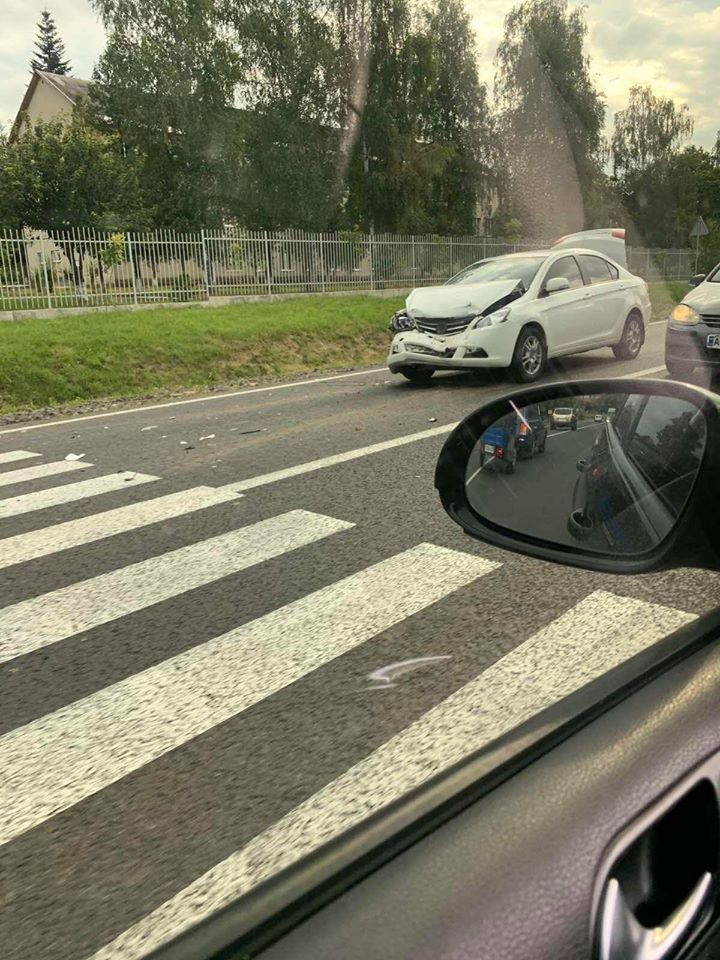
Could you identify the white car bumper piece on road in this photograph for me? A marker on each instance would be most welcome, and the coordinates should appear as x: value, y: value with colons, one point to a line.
x: 520, y: 310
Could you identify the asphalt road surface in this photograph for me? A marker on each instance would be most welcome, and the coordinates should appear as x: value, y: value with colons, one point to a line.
x: 201, y: 619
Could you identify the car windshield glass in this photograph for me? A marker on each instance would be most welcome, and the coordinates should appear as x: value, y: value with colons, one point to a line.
x: 257, y: 259
x: 506, y: 268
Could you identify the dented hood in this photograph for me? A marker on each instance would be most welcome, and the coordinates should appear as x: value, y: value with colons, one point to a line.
x: 457, y: 299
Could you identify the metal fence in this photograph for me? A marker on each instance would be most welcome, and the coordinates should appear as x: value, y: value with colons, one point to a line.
x: 41, y: 269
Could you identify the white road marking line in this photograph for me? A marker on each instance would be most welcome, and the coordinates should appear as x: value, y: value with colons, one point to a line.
x: 74, y: 533
x: 10, y: 456
x: 178, y: 403
x: 597, y: 634
x: 70, y: 492
x: 40, y: 621
x: 41, y: 471
x: 639, y: 373
x: 331, y: 461
x: 57, y: 760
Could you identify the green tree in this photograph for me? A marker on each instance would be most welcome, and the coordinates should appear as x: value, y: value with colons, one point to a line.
x: 657, y: 181
x: 64, y: 177
x: 165, y: 85
x: 647, y: 132
x: 49, y: 51
x: 551, y: 117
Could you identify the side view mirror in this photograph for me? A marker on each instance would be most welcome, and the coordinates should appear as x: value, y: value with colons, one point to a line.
x: 625, y: 494
x: 556, y: 284
x: 697, y: 279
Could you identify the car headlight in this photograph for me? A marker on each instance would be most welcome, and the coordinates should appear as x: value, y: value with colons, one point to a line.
x: 684, y: 314
x: 499, y: 316
x: 401, y: 321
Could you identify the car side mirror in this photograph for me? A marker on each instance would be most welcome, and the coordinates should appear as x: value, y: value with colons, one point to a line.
x: 556, y: 284
x: 697, y: 279
x: 632, y: 493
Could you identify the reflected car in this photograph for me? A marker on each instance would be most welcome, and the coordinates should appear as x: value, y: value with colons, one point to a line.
x: 518, y: 435
x: 598, y: 418
x: 692, y: 337
x: 638, y: 475
x: 563, y: 418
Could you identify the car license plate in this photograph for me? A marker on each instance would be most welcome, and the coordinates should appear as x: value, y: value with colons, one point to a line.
x: 488, y: 448
x: 713, y: 341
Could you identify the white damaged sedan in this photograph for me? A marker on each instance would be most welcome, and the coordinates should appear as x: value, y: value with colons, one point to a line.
x: 520, y: 310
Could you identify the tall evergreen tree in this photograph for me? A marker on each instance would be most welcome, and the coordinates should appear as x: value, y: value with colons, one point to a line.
x: 49, y: 54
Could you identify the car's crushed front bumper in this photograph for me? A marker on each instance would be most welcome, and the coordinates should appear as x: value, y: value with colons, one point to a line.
x: 471, y: 348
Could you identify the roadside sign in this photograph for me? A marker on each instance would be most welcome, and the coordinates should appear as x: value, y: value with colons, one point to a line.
x: 699, y: 230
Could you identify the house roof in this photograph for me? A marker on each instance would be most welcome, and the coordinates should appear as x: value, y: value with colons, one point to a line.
x: 72, y: 88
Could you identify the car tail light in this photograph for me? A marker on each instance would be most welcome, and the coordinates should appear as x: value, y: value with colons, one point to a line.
x: 499, y: 452
x: 523, y: 431
x: 619, y: 234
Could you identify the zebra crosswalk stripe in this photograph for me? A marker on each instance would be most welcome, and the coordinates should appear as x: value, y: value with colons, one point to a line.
x: 84, y: 530
x: 71, y: 492
x: 11, y: 456
x: 57, y: 760
x: 596, y: 635
x: 41, y: 471
x: 40, y: 621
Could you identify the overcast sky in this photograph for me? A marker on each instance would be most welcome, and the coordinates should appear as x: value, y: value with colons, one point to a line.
x: 670, y: 44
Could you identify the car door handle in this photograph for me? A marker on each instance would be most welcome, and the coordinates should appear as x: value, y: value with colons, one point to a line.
x: 623, y: 937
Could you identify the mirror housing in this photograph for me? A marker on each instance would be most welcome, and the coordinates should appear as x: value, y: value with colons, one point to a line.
x: 556, y: 284
x: 693, y: 540
x: 696, y: 280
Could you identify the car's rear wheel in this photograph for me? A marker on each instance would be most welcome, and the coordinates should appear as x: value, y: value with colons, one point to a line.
x: 632, y: 338
x: 530, y: 356
x: 679, y: 370
x: 417, y: 374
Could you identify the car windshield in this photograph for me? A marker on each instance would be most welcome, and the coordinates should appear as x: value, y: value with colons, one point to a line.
x: 504, y: 268
x: 257, y: 260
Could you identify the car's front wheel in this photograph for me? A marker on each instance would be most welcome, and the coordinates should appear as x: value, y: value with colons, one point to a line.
x: 417, y: 374
x: 530, y: 356
x: 632, y: 339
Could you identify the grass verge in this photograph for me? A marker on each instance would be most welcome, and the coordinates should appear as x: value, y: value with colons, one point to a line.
x: 76, y: 360
x: 73, y: 360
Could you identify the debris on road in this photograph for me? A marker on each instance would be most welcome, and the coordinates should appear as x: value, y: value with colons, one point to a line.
x: 75, y: 456
x: 244, y: 432
x: 210, y: 436
x: 188, y: 448
x: 184, y: 443
x: 432, y: 419
x: 144, y: 429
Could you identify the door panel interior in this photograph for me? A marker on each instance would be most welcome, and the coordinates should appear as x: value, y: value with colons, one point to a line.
x: 514, y: 876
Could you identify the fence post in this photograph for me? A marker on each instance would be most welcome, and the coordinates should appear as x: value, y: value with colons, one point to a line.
x: 647, y: 263
x: 322, y: 264
x: 267, y: 262
x: 206, y: 267
x: 43, y: 259
x: 484, y: 248
x: 372, y: 268
x: 412, y: 242
x: 131, y: 258
x: 451, y: 259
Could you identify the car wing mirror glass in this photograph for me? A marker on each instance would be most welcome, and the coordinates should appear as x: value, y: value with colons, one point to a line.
x: 697, y: 279
x: 627, y: 488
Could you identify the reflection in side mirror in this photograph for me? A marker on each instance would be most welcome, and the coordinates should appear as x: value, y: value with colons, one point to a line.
x: 571, y: 475
x: 697, y: 279
x: 556, y: 284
